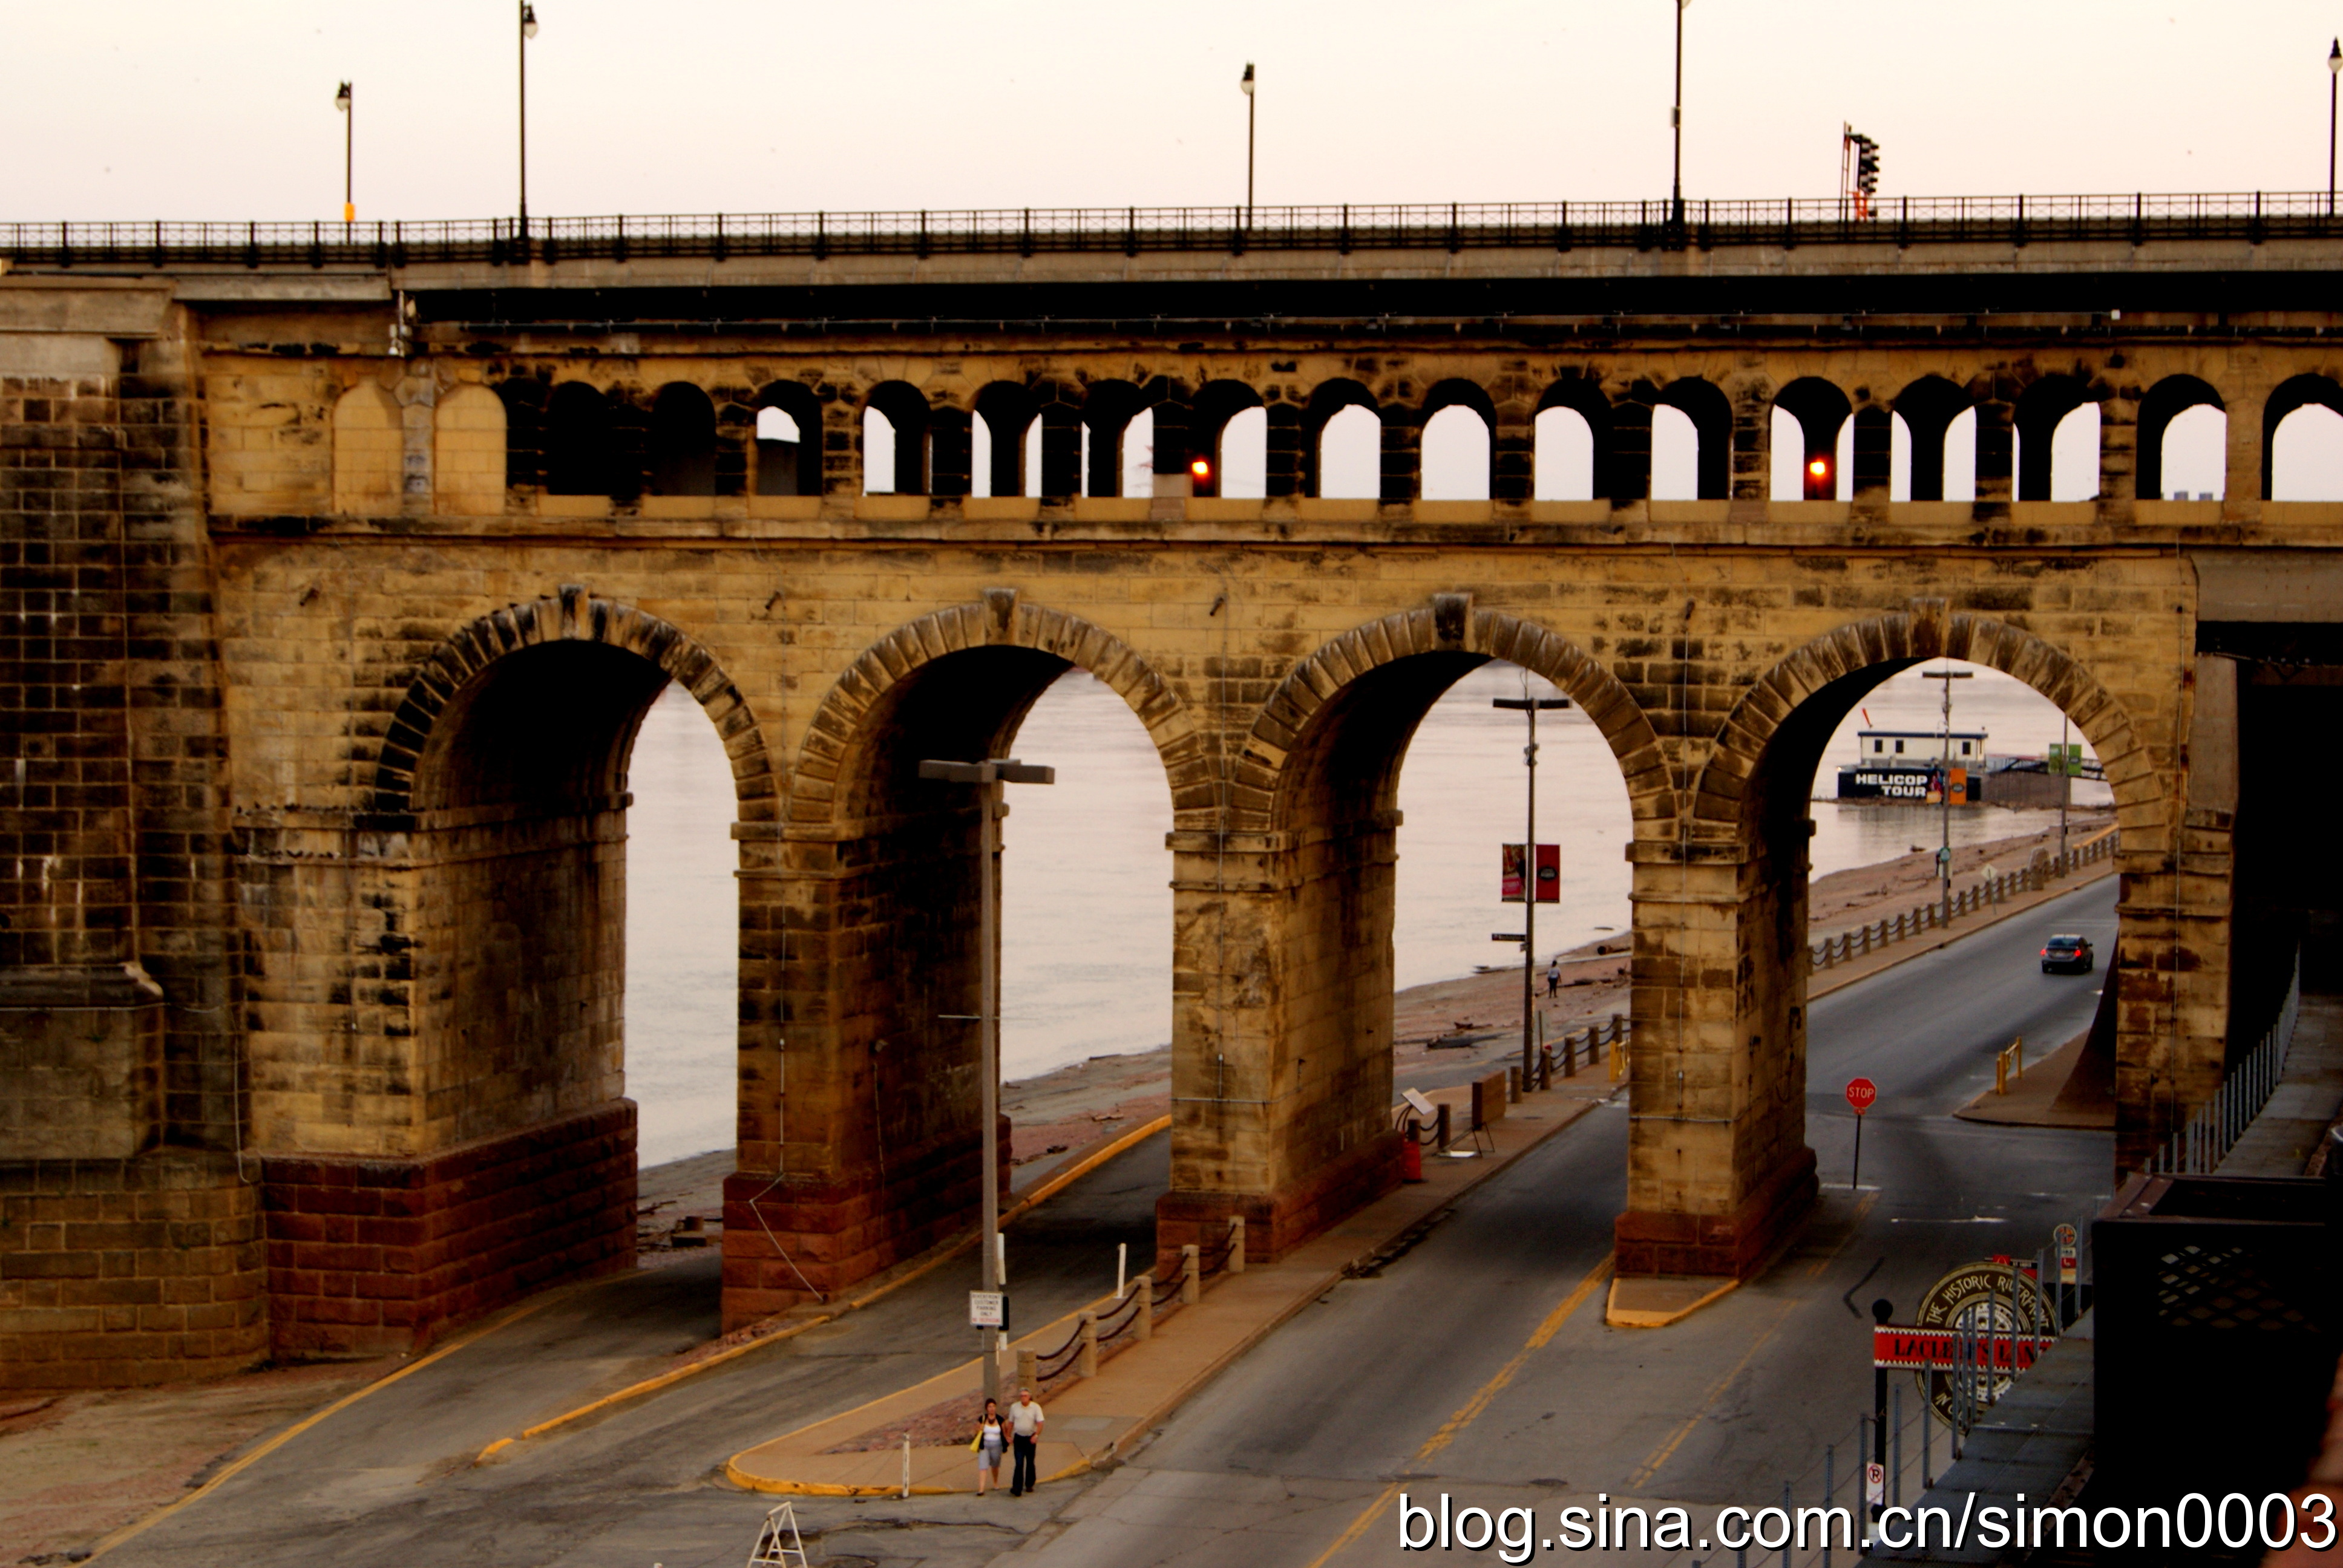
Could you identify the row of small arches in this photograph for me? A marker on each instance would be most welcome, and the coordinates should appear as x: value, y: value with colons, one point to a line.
x: 1933, y: 441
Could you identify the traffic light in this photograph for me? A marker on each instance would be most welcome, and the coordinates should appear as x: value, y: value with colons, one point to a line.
x: 1822, y: 481
x: 1863, y: 178
x: 1200, y: 472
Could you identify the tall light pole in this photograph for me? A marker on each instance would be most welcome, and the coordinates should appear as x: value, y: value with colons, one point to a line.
x: 2334, y: 69
x: 988, y: 777
x: 1675, y: 118
x: 1945, y: 853
x: 1529, y: 707
x: 528, y: 31
x: 1251, y: 106
x: 343, y: 102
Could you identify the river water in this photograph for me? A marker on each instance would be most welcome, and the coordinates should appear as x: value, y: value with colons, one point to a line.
x: 1087, y: 907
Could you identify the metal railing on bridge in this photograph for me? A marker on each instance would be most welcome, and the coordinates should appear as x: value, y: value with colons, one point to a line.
x: 2204, y: 1140
x: 2133, y: 218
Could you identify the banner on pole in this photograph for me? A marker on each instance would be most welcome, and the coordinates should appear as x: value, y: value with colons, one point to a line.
x: 1512, y: 868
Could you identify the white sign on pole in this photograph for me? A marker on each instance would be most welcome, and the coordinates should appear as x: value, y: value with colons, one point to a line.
x: 986, y: 1309
x: 1875, y: 1483
x: 1420, y: 1105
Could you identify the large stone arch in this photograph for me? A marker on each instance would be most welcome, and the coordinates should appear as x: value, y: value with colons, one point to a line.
x: 1449, y: 624
x: 876, y: 874
x: 1000, y: 619
x: 571, y: 615
x: 1928, y: 629
x: 1282, y: 1027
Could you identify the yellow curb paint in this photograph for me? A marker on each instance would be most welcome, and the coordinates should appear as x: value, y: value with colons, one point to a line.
x: 479, y: 1333
x: 1057, y: 1183
x: 1620, y: 1317
x: 1472, y: 1408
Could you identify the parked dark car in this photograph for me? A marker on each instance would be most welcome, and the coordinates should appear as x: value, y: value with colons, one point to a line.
x: 2067, y: 953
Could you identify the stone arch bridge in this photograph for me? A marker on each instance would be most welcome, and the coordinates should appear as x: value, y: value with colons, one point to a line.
x: 336, y: 576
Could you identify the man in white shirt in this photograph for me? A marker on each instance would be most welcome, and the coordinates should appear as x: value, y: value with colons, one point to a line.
x: 1025, y: 1419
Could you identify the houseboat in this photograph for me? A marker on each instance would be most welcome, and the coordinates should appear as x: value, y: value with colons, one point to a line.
x: 1908, y: 765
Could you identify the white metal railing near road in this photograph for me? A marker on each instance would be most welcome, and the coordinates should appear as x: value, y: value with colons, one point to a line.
x: 2205, y: 1138
x: 1847, y: 946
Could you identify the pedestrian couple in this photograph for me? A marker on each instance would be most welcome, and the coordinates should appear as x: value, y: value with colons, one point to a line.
x: 1019, y: 1432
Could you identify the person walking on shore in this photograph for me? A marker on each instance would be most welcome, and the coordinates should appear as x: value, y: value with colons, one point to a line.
x: 1554, y: 977
x: 1025, y: 1419
x: 991, y: 1438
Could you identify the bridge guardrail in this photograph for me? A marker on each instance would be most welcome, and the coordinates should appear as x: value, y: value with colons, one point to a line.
x: 2204, y: 1140
x: 1884, y: 932
x: 2133, y: 218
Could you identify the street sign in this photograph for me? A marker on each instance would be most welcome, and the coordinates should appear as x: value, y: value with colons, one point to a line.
x: 987, y: 1308
x: 1875, y: 1483
x: 1861, y: 1092
x: 2065, y: 1237
x: 1908, y: 1348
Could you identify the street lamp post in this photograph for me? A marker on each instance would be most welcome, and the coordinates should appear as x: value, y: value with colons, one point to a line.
x: 528, y: 31
x: 2334, y: 69
x: 343, y: 102
x: 1945, y: 853
x: 1529, y: 707
x: 988, y: 777
x: 1676, y: 120
x: 1252, y: 106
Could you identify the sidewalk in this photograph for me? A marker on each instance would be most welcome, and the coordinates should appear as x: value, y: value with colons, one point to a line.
x: 1093, y: 1419
x: 2305, y: 1102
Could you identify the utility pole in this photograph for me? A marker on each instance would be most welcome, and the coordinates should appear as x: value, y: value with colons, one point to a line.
x: 1252, y: 106
x: 1529, y: 707
x: 528, y: 31
x: 347, y: 105
x: 2066, y: 787
x: 988, y: 777
x: 2334, y: 69
x: 1945, y: 853
x: 1676, y: 121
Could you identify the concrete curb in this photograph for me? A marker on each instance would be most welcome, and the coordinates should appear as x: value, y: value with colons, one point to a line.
x: 1619, y: 1317
x: 1188, y: 1388
x: 1058, y: 1182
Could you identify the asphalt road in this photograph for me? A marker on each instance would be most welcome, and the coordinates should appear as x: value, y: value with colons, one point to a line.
x: 1386, y: 1381
x: 1272, y: 1463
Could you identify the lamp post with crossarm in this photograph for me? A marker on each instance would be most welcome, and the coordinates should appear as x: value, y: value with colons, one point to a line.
x: 988, y: 777
x: 1529, y: 707
x: 528, y: 31
x: 1944, y: 852
x: 341, y: 101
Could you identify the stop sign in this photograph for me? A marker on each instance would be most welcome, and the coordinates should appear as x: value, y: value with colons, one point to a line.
x: 1860, y: 1093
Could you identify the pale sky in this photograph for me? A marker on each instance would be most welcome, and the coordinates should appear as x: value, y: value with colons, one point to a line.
x: 137, y: 109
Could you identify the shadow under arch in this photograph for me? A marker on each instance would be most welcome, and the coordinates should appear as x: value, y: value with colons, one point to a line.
x: 880, y: 874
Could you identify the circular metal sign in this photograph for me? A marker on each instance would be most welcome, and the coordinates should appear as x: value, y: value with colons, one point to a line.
x: 1976, y: 1298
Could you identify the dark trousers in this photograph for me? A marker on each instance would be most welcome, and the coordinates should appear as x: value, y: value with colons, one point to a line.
x: 1021, y: 1472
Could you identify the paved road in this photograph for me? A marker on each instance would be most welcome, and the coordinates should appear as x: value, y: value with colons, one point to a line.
x: 389, y: 1483
x: 1277, y: 1458
x: 1272, y: 1463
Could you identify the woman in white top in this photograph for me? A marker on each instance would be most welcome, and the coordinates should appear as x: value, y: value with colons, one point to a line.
x: 991, y: 1439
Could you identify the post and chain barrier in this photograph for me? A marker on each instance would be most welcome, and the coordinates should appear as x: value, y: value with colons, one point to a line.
x: 1887, y: 931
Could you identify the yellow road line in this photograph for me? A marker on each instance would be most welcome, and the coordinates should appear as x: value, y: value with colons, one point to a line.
x: 1666, y: 1449
x: 481, y: 1332
x: 1472, y: 1408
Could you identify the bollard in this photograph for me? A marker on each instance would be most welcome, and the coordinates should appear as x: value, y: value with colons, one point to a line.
x: 1029, y: 1369
x: 1086, y: 1363
x: 907, y: 1465
x: 1142, y: 1327
x: 1513, y: 1086
x: 1441, y: 1128
x: 1191, y: 1272
x: 1569, y: 1056
x: 1236, y: 1243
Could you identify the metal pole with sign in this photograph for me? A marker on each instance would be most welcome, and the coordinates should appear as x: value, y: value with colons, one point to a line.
x: 1860, y: 1093
x: 1945, y: 854
x: 1531, y: 875
x: 987, y: 776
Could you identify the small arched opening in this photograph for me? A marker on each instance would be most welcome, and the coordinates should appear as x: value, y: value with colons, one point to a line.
x: 1927, y: 409
x: 895, y: 440
x: 789, y: 444
x: 579, y: 457
x: 1572, y: 432
x: 2179, y: 417
x: 683, y: 441
x: 2302, y: 441
x: 1810, y: 418
x: 1342, y: 443
x: 2057, y: 428
x: 1457, y: 462
x: 1696, y: 409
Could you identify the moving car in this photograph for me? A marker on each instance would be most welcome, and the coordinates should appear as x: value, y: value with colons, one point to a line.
x: 2067, y: 952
